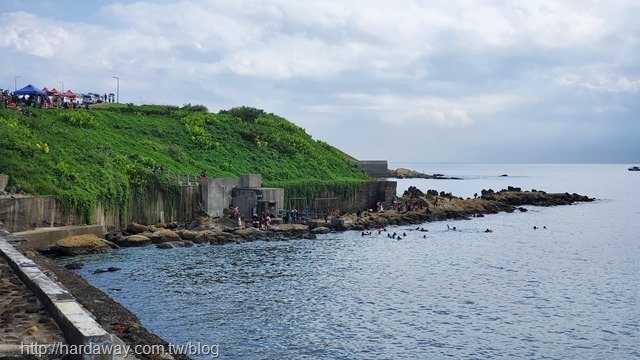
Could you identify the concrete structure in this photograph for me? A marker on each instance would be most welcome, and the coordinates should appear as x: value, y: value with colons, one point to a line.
x: 375, y: 168
x: 34, y: 214
x: 244, y: 192
x: 77, y: 325
x: 4, y: 181
x: 23, y: 320
x: 43, y: 238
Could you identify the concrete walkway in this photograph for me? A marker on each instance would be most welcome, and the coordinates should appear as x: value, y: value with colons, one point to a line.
x: 23, y: 320
x: 36, y: 313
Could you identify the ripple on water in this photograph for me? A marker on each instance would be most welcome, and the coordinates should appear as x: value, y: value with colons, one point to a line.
x: 568, y: 291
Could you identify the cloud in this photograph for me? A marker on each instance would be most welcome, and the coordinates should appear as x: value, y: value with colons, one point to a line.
x: 402, y: 110
x: 611, y: 83
x: 26, y: 33
x: 458, y: 69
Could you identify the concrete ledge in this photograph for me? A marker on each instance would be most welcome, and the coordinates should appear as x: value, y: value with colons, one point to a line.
x: 77, y: 325
x: 43, y: 238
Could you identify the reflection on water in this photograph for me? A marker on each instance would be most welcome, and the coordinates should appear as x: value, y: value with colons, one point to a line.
x: 568, y: 291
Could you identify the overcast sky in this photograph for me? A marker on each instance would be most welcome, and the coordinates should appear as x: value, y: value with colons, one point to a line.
x: 429, y: 81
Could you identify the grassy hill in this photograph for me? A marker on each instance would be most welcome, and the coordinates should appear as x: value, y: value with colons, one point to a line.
x: 83, y: 157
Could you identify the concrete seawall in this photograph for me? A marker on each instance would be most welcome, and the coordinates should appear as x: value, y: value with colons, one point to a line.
x: 43, y: 238
x: 77, y: 325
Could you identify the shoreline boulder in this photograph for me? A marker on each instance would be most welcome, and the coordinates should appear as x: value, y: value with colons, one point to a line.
x: 80, y: 244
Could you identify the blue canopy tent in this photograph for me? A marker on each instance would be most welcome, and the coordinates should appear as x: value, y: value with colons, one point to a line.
x: 30, y: 90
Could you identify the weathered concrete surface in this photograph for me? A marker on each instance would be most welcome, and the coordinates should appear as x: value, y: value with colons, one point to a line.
x: 77, y: 325
x: 22, y: 212
x: 4, y: 180
x: 28, y: 214
x: 22, y: 319
x: 43, y: 238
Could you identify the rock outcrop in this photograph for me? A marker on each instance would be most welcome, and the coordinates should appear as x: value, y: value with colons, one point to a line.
x: 402, y: 173
x: 81, y: 244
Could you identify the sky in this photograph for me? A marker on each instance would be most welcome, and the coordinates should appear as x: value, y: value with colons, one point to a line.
x: 495, y: 81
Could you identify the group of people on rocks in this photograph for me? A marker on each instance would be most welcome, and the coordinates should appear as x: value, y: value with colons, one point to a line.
x: 263, y: 221
x: 294, y: 216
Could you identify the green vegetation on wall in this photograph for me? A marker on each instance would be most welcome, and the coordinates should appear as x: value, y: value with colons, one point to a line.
x: 83, y: 157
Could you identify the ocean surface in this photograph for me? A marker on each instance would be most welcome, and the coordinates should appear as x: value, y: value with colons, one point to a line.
x: 570, y: 291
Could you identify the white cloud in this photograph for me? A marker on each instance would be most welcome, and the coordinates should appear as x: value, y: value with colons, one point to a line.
x: 402, y: 110
x: 454, y: 66
x: 600, y: 83
x: 612, y: 83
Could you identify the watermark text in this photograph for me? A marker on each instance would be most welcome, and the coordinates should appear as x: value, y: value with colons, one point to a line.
x: 59, y: 348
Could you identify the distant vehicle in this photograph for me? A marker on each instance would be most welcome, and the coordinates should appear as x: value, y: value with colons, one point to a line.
x: 634, y: 168
x: 98, y: 97
x: 89, y: 99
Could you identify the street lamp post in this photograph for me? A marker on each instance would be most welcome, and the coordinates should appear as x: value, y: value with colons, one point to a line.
x: 62, y: 82
x: 117, y: 89
x: 15, y: 83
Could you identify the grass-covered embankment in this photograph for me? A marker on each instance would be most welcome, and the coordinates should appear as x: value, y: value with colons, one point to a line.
x: 83, y: 157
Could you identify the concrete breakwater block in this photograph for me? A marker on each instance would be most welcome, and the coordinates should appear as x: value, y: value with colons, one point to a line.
x: 76, y: 323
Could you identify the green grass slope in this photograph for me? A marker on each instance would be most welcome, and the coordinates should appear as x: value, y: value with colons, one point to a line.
x: 83, y: 157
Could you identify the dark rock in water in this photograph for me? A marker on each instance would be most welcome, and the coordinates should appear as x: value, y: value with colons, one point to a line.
x: 522, y: 209
x: 403, y: 173
x: 164, y: 235
x: 113, y: 268
x: 187, y: 243
x: 135, y: 228
x: 413, y: 191
x: 321, y: 230
x: 504, y: 175
x: 133, y: 241
x: 100, y: 271
x: 74, y: 266
x: 114, y: 236
x: 111, y: 245
x: 175, y: 244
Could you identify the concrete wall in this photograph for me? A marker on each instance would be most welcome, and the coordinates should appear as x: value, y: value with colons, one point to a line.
x: 155, y: 207
x: 216, y: 194
x: 4, y: 181
x: 244, y: 192
x: 24, y: 213
x: 375, y: 168
x: 251, y: 180
x: 44, y: 238
x: 30, y: 212
x: 366, y: 198
x: 27, y: 213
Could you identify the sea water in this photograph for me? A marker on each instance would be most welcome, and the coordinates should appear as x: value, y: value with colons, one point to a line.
x: 568, y: 291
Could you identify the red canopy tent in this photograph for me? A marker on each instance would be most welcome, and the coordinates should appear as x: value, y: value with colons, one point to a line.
x: 45, y: 90
x: 69, y: 94
x: 54, y: 92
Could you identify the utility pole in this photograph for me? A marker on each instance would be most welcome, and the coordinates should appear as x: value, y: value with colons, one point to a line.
x: 117, y: 89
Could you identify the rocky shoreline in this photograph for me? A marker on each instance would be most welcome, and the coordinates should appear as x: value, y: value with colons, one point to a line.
x: 111, y: 315
x: 402, y: 173
x: 413, y: 207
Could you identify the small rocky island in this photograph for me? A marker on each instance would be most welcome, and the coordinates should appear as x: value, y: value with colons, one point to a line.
x: 402, y: 173
x: 413, y: 207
